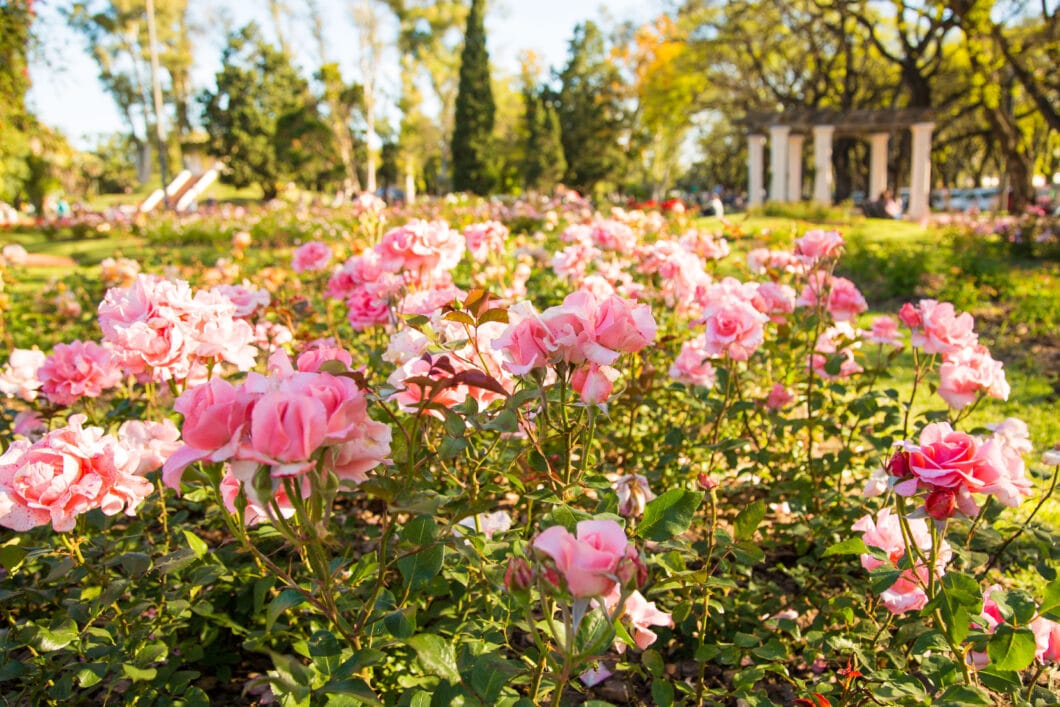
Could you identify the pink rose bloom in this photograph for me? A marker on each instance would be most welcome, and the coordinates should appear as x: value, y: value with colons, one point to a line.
x: 1011, y: 485
x: 642, y: 615
x: 286, y: 428
x: 406, y: 345
x: 967, y: 372
x: 524, y: 343
x: 430, y: 300
x: 885, y: 533
x: 691, y: 366
x: 779, y: 397
x: 364, y: 310
x: 67, y: 473
x: 944, y: 331
x: 839, y: 296
x: 28, y: 423
x: 367, y: 446
x: 587, y: 561
x: 1014, y: 433
x: 319, y: 351
x: 611, y: 234
x: 734, y: 328
x: 246, y: 298
x: 149, y: 444
x: 311, y: 257
x: 215, y: 419
x: 484, y: 238
x: 77, y: 370
x: 573, y: 261
x: 411, y: 396
x: 762, y: 260
x: 774, y: 300
x: 358, y: 270
x: 705, y: 245
x: 1046, y: 639
x: 253, y: 513
x: 571, y: 331
x: 594, y: 383
x: 19, y: 377
x: 884, y: 331
x: 910, y: 316
x: 624, y: 326
x: 946, y: 458
x: 817, y: 245
x: 425, y: 250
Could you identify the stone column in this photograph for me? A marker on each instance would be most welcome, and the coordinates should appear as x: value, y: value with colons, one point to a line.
x: 778, y: 162
x: 756, y: 145
x: 877, y: 165
x: 920, y: 178
x: 795, y: 167
x: 822, y: 163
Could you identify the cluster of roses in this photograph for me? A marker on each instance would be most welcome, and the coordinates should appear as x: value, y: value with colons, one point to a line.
x: 75, y: 469
x: 585, y: 333
x: 417, y: 256
x: 287, y: 422
x: 596, y: 563
x: 161, y: 330
x: 967, y: 368
x: 946, y: 467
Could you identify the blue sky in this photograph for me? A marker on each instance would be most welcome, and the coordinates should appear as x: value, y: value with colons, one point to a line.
x: 66, y: 92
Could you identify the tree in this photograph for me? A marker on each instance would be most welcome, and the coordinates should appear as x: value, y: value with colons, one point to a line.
x: 544, y: 164
x: 475, y: 110
x: 16, y: 125
x: 256, y: 87
x: 590, y: 111
x: 367, y: 20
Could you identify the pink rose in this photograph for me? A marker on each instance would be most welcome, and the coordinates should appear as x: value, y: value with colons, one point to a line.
x: 775, y: 300
x: 593, y: 383
x: 77, y: 370
x: 215, y: 417
x: 779, y: 397
x: 19, y: 377
x: 910, y: 316
x: 734, y: 328
x: 884, y: 331
x: 817, y: 245
x: 321, y: 351
x: 944, y: 331
x: 588, y: 560
x: 285, y: 429
x: 642, y: 615
x: 624, y: 326
x: 945, y: 458
x: 1047, y: 639
x: 691, y: 366
x: 67, y: 473
x: 312, y: 256
x: 967, y: 372
x: 253, y: 513
x: 364, y: 310
x: 633, y: 494
x: 149, y: 444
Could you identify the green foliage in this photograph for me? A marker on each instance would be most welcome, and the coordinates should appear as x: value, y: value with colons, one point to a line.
x: 257, y: 88
x: 544, y: 164
x: 473, y: 131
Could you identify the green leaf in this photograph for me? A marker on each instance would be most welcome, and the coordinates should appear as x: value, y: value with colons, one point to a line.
x: 662, y: 693
x: 345, y: 689
x: 197, y: 544
x: 421, y: 566
x: 1051, y: 600
x: 960, y: 695
x: 1011, y: 648
x: 135, y: 563
x: 11, y: 556
x: 287, y: 599
x: 436, y: 655
x: 138, y: 674
x: 652, y: 660
x: 850, y: 546
x: 748, y: 519
x: 399, y: 624
x: 669, y: 515
x: 963, y: 589
x: 58, y: 636
x: 91, y: 674
x: 490, y: 674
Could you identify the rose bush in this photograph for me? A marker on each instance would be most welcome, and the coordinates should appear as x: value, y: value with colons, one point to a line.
x: 514, y: 453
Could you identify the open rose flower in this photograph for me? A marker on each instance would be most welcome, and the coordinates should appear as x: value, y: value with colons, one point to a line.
x: 311, y: 257
x: 78, y: 370
x: 587, y: 561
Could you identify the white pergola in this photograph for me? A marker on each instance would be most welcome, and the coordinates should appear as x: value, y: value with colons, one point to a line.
x: 787, y: 133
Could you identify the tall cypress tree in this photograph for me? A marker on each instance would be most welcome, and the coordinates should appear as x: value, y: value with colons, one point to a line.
x: 473, y: 126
